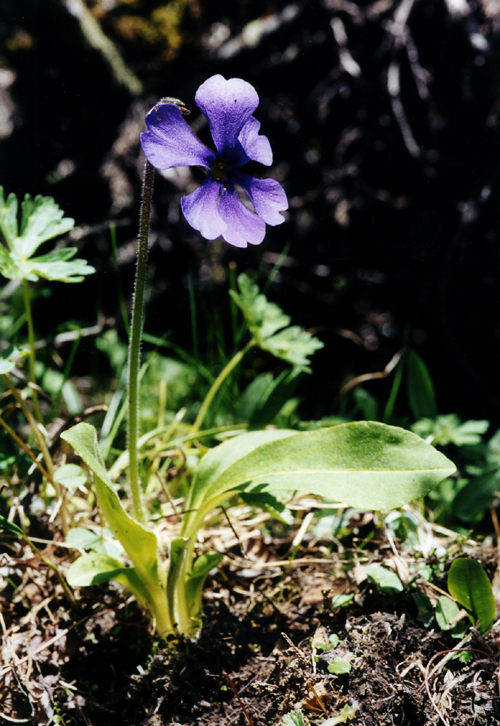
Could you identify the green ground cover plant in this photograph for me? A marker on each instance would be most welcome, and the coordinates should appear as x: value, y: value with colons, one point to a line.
x: 363, y: 464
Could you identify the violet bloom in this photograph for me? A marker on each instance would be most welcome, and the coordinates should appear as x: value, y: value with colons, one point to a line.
x: 214, y: 208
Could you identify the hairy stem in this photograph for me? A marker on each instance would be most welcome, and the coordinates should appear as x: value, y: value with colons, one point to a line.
x: 218, y: 383
x: 134, y: 346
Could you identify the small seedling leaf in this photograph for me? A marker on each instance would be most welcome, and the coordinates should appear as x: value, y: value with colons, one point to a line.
x: 295, y: 718
x: 386, y: 580
x: 446, y: 612
x: 10, y: 356
x: 469, y: 584
x: 97, y: 567
x: 342, y: 600
x: 339, y: 666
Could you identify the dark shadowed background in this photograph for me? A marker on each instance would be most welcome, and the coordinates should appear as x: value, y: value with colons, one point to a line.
x: 383, y: 118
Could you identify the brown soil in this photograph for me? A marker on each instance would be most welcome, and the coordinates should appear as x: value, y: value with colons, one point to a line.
x: 258, y: 657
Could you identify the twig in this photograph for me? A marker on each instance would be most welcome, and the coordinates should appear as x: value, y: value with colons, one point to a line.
x: 247, y: 715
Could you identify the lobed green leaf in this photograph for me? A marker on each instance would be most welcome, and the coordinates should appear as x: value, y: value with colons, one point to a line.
x: 41, y: 220
x: 265, y: 319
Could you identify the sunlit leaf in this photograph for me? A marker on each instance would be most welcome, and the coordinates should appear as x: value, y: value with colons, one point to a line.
x: 139, y: 543
x: 268, y: 325
x: 364, y: 464
x: 41, y: 220
x: 9, y: 358
x: 97, y: 567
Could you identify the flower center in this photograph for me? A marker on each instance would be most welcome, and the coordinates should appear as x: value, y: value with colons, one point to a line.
x: 219, y: 170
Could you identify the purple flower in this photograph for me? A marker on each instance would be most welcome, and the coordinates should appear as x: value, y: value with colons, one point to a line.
x: 215, y: 208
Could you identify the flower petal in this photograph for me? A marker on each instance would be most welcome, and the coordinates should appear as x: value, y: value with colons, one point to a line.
x: 170, y: 142
x: 243, y: 226
x: 255, y: 145
x: 201, y: 209
x: 267, y: 196
x: 227, y: 105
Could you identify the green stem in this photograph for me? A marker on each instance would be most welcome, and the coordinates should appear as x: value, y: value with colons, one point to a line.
x: 53, y: 567
x: 218, y: 383
x: 31, y: 343
x: 134, y: 347
x: 49, y: 464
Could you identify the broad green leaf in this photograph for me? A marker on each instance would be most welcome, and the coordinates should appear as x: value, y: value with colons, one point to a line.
x: 268, y: 326
x: 364, y: 464
x: 9, y: 357
x: 221, y: 458
x: 10, y: 527
x: 139, y: 543
x: 386, y: 580
x: 82, y: 539
x: 97, y: 539
x: 97, y: 567
x: 41, y: 220
x: 421, y: 393
x: 469, y: 584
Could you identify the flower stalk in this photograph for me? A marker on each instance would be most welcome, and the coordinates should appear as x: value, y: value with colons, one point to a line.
x: 134, y: 347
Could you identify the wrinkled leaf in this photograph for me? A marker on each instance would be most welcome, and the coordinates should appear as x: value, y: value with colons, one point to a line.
x: 449, y: 430
x: 295, y: 718
x: 364, y: 464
